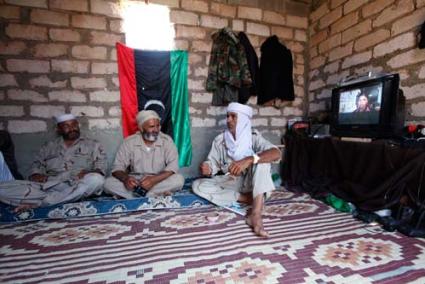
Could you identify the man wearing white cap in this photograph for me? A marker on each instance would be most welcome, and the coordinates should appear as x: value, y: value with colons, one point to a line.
x: 243, y: 156
x: 146, y: 162
x: 66, y: 169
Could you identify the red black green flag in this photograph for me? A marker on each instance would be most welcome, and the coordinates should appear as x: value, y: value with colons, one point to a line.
x: 156, y: 80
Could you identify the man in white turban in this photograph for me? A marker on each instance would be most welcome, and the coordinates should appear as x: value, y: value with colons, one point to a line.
x: 66, y: 169
x: 243, y: 158
x: 146, y: 162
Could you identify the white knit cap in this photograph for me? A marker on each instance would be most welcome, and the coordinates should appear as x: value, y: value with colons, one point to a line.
x: 145, y: 115
x: 64, y: 117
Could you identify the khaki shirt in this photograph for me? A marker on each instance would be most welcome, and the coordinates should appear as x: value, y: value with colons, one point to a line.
x: 219, y: 160
x: 61, y: 163
x: 135, y: 157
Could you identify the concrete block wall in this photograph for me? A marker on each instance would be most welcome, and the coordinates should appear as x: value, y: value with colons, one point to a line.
x: 58, y: 55
x: 356, y: 36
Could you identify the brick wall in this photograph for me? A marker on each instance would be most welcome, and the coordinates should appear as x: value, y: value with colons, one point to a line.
x: 356, y: 36
x: 59, y: 55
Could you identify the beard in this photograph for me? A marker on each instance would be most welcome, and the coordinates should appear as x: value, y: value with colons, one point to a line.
x: 72, y: 135
x: 150, y: 136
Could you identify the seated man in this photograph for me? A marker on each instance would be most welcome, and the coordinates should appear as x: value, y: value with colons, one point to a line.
x: 146, y: 162
x: 5, y: 174
x: 244, y: 157
x: 65, y: 170
x: 7, y: 150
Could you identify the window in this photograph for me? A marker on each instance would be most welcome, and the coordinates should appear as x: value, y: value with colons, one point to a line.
x: 148, y: 26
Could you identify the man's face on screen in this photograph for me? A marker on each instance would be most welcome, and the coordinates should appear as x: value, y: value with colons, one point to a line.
x: 362, y: 102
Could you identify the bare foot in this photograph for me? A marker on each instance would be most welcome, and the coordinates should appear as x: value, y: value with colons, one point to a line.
x: 255, y: 221
x: 23, y: 207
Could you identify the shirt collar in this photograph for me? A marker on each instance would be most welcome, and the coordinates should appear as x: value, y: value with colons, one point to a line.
x: 62, y: 142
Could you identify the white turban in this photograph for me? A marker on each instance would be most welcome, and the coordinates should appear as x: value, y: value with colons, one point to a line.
x: 240, y: 147
x: 240, y: 108
x: 64, y: 117
x: 145, y: 115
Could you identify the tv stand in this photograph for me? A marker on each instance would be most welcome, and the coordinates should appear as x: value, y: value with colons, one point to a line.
x: 372, y: 176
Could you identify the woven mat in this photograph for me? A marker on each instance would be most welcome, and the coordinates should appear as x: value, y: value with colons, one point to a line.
x: 309, y: 243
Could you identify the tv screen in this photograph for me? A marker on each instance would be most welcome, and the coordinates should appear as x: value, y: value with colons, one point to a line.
x: 368, y: 107
x: 360, y: 105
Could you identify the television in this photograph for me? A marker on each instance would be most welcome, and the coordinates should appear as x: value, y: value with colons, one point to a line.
x: 368, y: 107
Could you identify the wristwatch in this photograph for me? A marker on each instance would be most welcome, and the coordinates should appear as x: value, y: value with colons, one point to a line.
x: 256, y: 159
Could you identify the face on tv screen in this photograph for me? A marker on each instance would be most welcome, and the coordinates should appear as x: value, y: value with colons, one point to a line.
x: 360, y: 105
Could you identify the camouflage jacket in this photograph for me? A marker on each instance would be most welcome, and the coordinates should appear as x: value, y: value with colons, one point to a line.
x: 61, y: 163
x: 228, y: 68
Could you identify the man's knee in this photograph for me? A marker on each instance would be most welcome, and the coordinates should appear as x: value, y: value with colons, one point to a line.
x: 195, y: 186
x: 92, y: 183
x: 94, y: 179
x: 263, y: 168
x: 115, y: 187
x: 172, y: 183
x: 179, y: 180
x: 204, y: 186
x: 111, y: 183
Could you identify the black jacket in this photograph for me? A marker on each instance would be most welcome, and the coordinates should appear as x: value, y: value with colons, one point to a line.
x: 275, y: 72
x: 251, y: 56
x: 421, y: 43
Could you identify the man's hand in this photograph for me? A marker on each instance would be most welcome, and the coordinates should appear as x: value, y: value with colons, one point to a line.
x: 38, y: 178
x: 130, y: 182
x: 147, y: 182
x: 22, y: 207
x: 82, y: 174
x: 205, y: 169
x: 237, y: 167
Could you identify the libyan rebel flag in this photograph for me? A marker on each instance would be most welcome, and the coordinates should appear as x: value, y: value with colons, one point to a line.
x: 156, y: 80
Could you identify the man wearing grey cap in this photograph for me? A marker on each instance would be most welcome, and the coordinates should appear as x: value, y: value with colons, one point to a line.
x: 146, y: 162
x: 66, y: 169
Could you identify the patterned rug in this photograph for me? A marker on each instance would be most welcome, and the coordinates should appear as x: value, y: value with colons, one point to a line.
x: 103, y: 205
x: 309, y: 243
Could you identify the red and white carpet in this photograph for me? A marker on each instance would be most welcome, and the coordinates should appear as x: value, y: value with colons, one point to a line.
x: 309, y: 243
